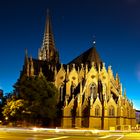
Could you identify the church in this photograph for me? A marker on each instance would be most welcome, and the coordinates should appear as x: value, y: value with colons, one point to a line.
x: 89, y: 93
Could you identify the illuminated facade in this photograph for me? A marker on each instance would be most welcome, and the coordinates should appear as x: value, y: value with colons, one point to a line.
x: 89, y: 94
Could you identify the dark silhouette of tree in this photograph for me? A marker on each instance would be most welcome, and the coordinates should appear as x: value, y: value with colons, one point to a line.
x: 40, y: 100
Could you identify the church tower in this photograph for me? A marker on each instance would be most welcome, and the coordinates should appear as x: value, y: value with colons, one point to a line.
x: 48, y: 51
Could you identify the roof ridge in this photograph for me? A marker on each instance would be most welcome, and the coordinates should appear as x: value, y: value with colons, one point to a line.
x: 87, y: 57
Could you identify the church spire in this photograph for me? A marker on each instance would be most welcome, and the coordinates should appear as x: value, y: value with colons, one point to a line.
x: 48, y: 51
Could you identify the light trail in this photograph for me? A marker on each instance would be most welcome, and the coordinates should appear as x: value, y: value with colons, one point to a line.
x: 107, y: 136
x: 120, y: 137
x: 64, y: 137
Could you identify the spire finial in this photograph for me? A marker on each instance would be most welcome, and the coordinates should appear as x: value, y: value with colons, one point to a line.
x: 48, y: 15
x: 30, y: 58
x: 47, y: 11
x: 94, y: 41
x: 26, y: 55
x: 124, y: 93
x: 26, y: 52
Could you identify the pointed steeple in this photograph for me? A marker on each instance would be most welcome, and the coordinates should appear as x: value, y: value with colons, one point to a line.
x: 31, y: 67
x: 48, y: 51
x: 125, y: 94
x: 117, y: 79
x: 41, y: 73
x: 26, y: 63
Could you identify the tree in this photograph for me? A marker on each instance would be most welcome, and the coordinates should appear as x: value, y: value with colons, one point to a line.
x: 40, y: 99
x: 13, y: 108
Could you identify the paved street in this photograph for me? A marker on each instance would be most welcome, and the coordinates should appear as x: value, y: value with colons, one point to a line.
x: 43, y: 135
x: 40, y: 136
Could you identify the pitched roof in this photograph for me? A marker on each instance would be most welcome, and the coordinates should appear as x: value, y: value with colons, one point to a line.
x: 87, y: 57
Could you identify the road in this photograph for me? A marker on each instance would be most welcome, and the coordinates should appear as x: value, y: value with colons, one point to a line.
x: 34, y: 135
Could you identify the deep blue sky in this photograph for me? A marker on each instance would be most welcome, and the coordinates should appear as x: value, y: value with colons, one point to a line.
x: 115, y: 23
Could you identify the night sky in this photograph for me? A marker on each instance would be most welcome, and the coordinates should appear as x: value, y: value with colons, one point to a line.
x: 114, y: 23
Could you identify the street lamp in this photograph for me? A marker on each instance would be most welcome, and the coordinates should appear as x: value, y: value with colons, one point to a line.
x: 6, y: 118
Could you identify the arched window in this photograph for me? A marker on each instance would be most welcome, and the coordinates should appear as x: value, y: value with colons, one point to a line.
x: 111, y: 111
x: 97, y: 110
x: 72, y: 89
x: 127, y: 112
x: 93, y: 90
x: 61, y: 92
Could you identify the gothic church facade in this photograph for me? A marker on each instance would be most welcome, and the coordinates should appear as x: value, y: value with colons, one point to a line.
x: 89, y: 94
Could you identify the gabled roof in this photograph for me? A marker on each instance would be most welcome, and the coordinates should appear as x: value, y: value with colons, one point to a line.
x: 87, y: 57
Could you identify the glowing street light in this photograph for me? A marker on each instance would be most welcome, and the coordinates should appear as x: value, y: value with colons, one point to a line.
x: 6, y: 118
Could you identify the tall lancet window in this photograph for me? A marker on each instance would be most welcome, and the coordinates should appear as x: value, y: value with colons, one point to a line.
x: 111, y: 111
x: 128, y: 112
x: 72, y: 88
x: 61, y: 93
x: 97, y: 110
x: 93, y: 90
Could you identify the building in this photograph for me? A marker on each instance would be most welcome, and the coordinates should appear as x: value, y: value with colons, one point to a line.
x: 89, y: 93
x: 138, y: 116
x: 1, y: 96
x: 1, y: 93
x: 137, y: 119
